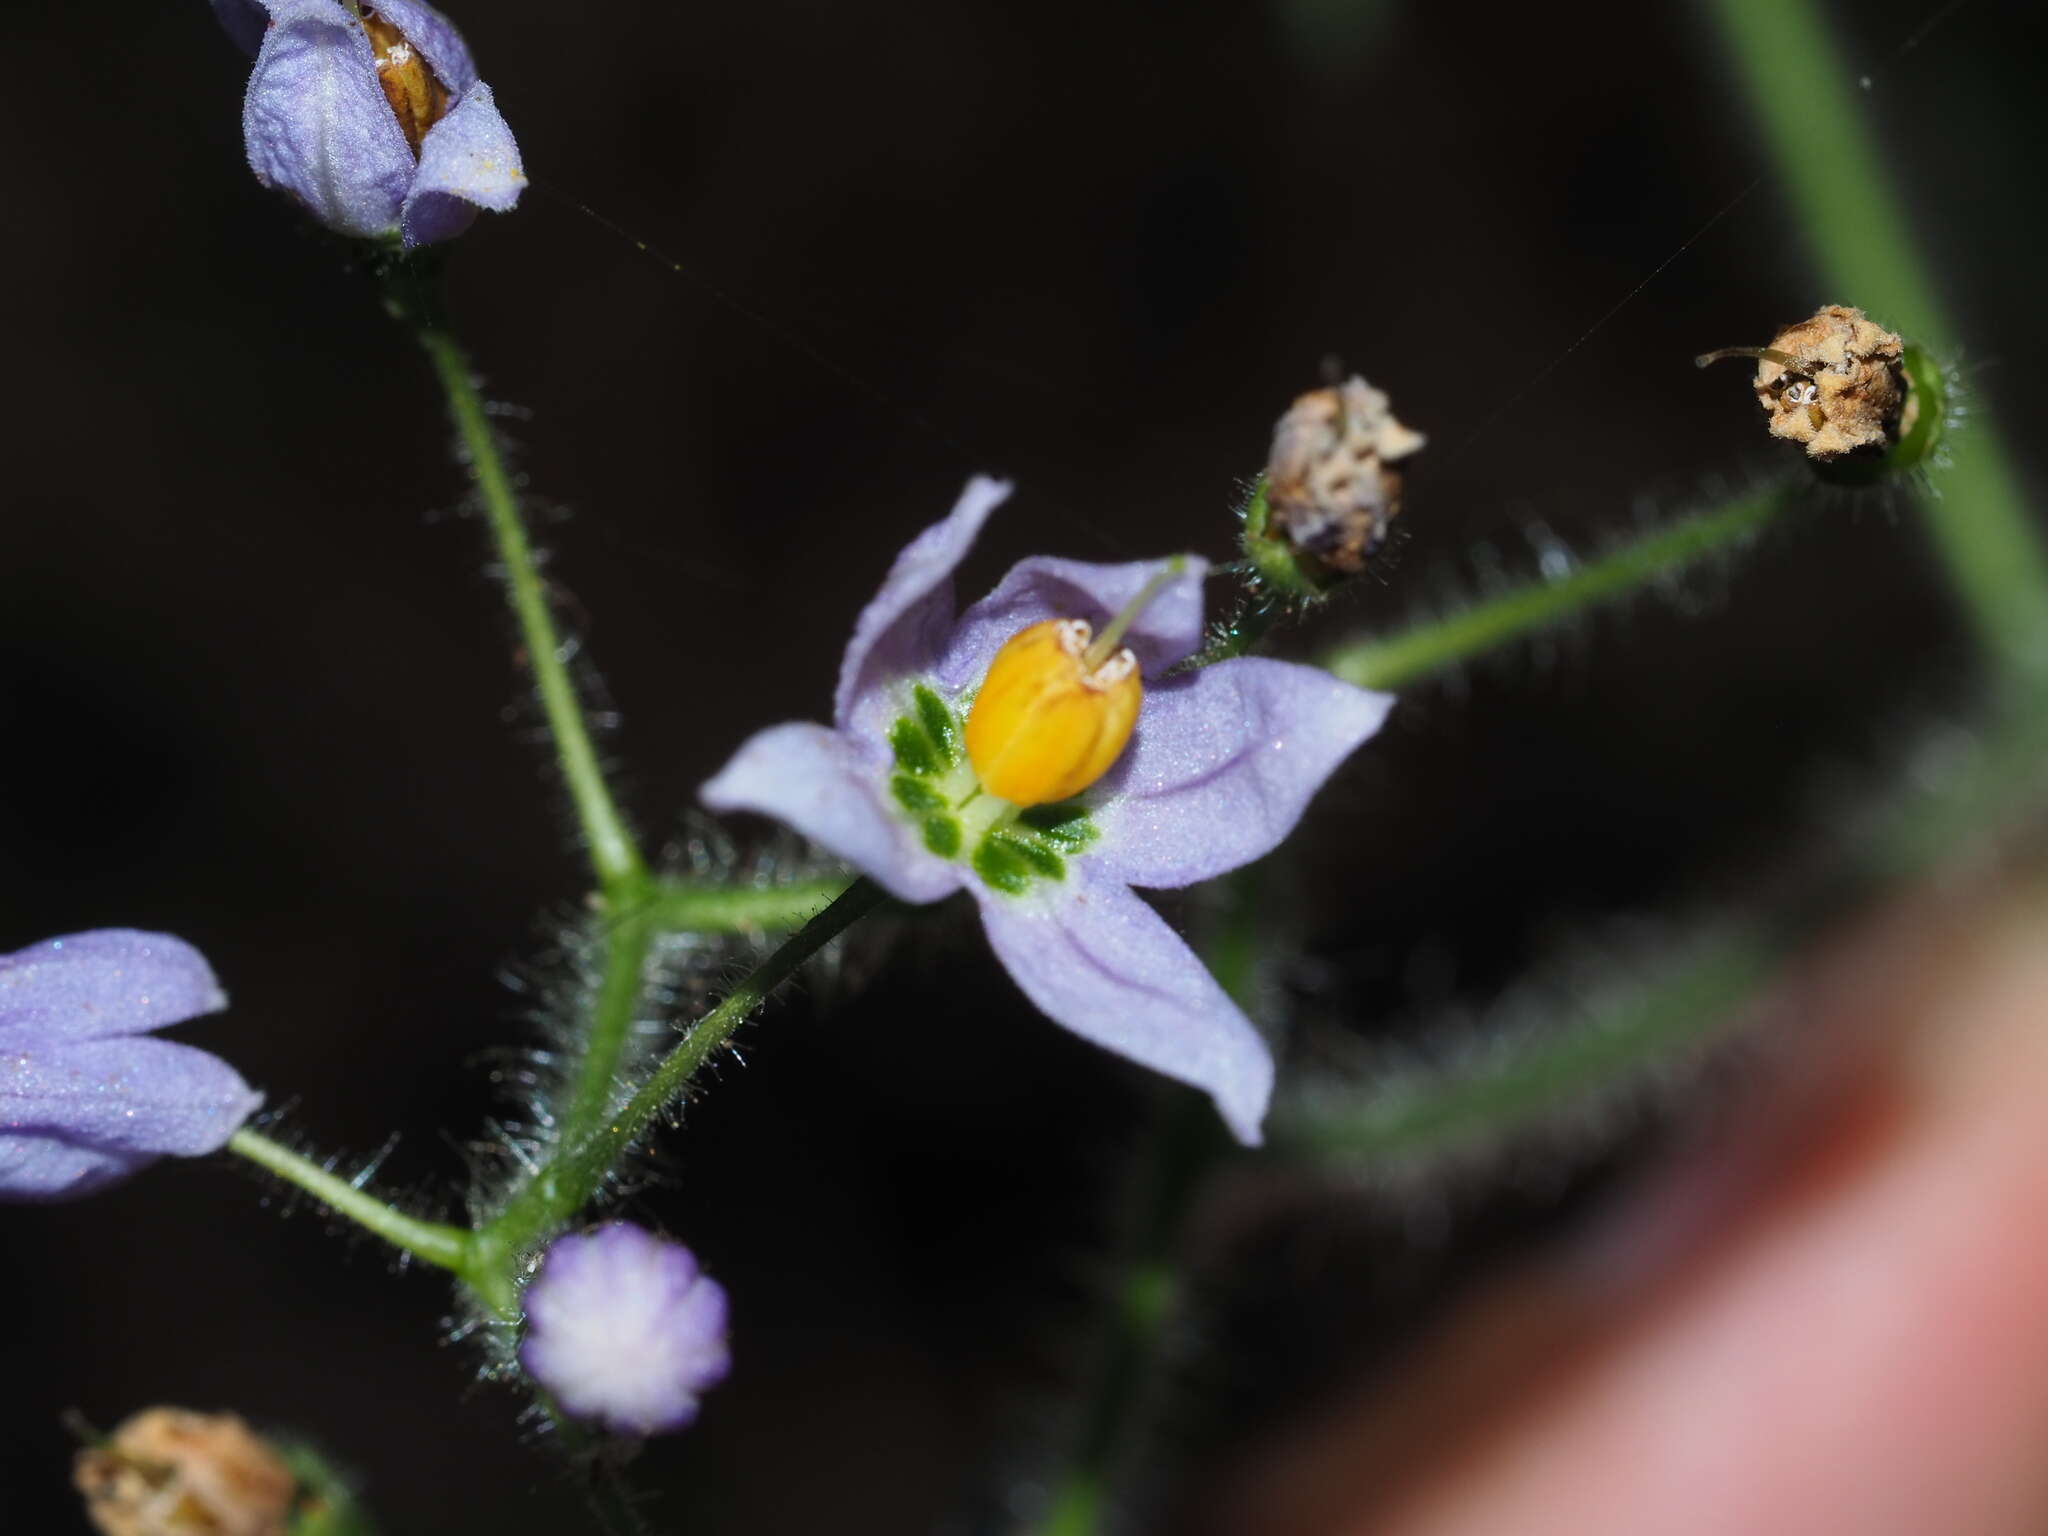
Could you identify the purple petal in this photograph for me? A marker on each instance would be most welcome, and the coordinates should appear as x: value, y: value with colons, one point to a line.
x: 317, y: 124
x: 468, y: 161
x: 1222, y: 765
x: 625, y: 1328
x: 1169, y: 629
x: 36, y: 1169
x: 143, y: 1095
x: 244, y: 21
x: 820, y: 782
x: 113, y: 981
x: 904, y: 624
x: 77, y: 1114
x: 1099, y: 962
x: 437, y: 40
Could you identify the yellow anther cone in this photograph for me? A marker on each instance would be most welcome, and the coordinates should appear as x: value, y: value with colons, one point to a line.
x: 1045, y: 725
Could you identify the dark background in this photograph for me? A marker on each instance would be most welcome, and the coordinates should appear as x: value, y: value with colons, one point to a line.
x: 256, y: 689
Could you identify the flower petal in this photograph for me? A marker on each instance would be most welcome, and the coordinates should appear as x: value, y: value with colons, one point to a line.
x: 80, y: 1113
x: 817, y: 781
x: 1222, y: 765
x: 1042, y: 587
x: 244, y: 21
x: 43, y: 1168
x: 89, y: 986
x: 1101, y: 963
x: 468, y: 161
x: 316, y: 122
x: 904, y: 624
x: 436, y: 38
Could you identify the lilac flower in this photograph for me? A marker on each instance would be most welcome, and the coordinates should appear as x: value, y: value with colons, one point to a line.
x: 1221, y: 765
x: 372, y: 116
x: 86, y: 1097
x: 625, y: 1328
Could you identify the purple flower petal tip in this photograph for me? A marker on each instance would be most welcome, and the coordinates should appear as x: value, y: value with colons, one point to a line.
x: 1220, y: 767
x: 624, y: 1328
x: 319, y: 126
x: 87, y: 1096
x: 1106, y: 966
x: 468, y: 161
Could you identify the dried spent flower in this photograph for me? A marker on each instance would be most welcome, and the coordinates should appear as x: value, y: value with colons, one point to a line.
x: 1331, y: 490
x: 173, y: 1472
x: 624, y: 1328
x: 1834, y: 382
x: 86, y: 1096
x: 1082, y: 770
x: 372, y: 117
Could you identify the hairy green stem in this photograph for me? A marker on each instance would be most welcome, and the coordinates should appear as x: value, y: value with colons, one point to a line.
x: 443, y: 1246
x: 628, y: 940
x: 1506, y: 1084
x: 574, y: 1174
x: 684, y: 906
x: 614, y: 856
x: 1392, y: 661
x: 1858, y: 234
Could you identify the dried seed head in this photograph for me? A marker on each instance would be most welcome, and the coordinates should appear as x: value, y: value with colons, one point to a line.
x: 1330, y: 490
x: 172, y: 1472
x: 1834, y: 383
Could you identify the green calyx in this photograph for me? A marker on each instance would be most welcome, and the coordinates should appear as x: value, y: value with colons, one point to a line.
x: 1923, y: 420
x: 936, y: 789
x: 1280, y: 570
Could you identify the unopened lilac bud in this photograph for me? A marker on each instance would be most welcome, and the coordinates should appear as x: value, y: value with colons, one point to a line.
x: 624, y: 1328
x: 372, y: 117
x: 172, y: 1472
x: 1331, y: 491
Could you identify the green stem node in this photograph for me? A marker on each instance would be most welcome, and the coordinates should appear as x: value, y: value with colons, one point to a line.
x: 568, y: 1181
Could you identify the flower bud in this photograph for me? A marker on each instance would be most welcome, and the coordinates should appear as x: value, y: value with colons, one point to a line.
x: 172, y: 1472
x: 372, y: 117
x: 1050, y: 719
x: 625, y: 1328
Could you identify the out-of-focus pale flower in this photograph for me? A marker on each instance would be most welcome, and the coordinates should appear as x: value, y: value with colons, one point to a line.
x: 1077, y: 775
x: 172, y: 1472
x: 624, y: 1328
x: 87, y: 1097
x: 372, y: 117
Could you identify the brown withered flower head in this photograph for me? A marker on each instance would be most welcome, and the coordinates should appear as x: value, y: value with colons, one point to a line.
x: 1834, y: 383
x: 172, y: 1472
x: 1331, y: 490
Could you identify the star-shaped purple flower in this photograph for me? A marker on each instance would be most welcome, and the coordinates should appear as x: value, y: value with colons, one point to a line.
x: 1221, y: 765
x: 86, y: 1096
x: 625, y: 1328
x: 372, y: 116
